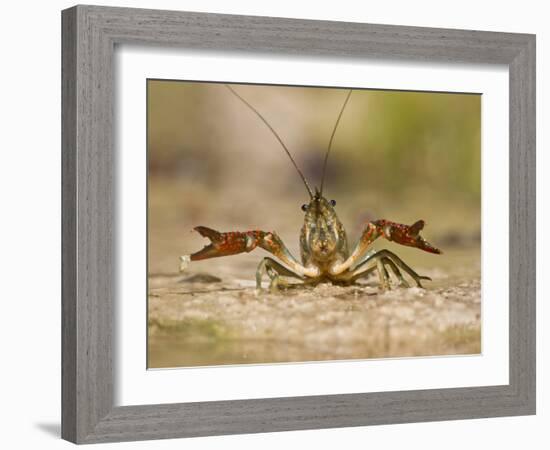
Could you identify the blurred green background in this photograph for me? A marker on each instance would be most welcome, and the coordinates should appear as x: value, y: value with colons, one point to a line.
x: 396, y: 155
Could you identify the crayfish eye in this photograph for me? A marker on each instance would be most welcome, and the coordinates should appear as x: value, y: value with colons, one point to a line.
x: 333, y: 202
x: 304, y: 207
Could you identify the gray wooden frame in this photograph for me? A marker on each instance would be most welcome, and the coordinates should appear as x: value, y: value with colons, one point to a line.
x: 88, y: 199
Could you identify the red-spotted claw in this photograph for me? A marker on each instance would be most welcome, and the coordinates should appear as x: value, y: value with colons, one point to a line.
x: 405, y: 234
x: 225, y: 244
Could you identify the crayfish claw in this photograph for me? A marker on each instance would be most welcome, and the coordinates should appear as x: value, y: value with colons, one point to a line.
x: 225, y: 244
x: 416, y: 227
x: 208, y: 251
x: 423, y: 244
x: 209, y: 233
x: 408, y: 235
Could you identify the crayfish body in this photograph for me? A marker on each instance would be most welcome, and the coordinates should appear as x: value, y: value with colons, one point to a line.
x: 325, y: 256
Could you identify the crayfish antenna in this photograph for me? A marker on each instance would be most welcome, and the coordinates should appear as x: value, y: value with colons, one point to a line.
x: 264, y: 120
x: 331, y: 139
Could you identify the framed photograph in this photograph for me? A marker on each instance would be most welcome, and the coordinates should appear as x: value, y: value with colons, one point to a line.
x: 278, y: 224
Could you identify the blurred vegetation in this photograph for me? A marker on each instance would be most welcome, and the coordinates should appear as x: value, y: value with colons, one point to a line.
x: 401, y: 156
x: 388, y: 141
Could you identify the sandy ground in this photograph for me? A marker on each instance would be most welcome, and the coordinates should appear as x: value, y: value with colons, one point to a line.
x: 211, y: 317
x: 212, y: 314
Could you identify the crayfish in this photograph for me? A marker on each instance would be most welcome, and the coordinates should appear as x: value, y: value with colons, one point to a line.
x: 325, y: 256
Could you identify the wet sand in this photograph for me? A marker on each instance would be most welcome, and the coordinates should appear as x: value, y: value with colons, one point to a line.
x: 212, y: 317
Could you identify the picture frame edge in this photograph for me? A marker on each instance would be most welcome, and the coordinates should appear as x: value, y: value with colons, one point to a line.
x: 68, y: 225
x: 89, y: 35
